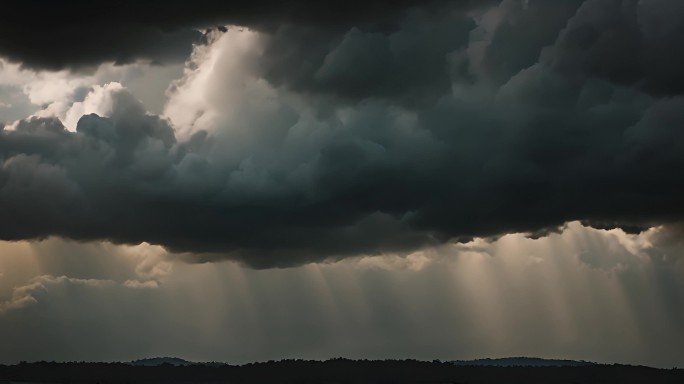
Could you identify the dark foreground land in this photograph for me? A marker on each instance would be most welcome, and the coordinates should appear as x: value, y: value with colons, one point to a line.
x: 332, y: 371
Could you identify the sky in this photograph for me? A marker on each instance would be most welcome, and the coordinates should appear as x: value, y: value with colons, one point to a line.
x: 409, y: 179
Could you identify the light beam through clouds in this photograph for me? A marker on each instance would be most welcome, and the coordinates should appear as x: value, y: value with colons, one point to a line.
x: 384, y: 184
x: 514, y: 296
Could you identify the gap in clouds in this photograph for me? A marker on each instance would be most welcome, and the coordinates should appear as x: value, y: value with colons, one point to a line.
x: 62, y: 94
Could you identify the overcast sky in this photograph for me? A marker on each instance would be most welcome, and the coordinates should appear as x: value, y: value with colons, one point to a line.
x: 428, y: 179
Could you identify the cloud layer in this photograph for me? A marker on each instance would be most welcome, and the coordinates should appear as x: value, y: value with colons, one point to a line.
x: 301, y: 142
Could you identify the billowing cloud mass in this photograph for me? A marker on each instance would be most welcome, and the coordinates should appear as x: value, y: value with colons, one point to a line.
x: 288, y: 142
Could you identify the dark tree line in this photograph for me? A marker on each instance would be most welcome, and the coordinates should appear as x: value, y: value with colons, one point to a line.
x: 331, y: 371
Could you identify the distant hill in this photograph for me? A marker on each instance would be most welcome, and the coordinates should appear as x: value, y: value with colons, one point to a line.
x: 175, y: 361
x: 522, y: 362
x: 155, y: 361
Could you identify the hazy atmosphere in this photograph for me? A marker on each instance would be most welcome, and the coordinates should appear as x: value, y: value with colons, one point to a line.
x: 408, y: 179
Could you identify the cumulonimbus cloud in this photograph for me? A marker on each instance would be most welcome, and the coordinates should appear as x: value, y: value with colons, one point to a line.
x: 262, y: 166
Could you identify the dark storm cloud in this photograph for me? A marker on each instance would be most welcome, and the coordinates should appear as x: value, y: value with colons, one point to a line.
x: 70, y: 35
x: 372, y: 190
x: 127, y: 179
x: 408, y: 64
x: 628, y: 42
x: 636, y: 43
x: 500, y: 140
x: 59, y: 44
x: 523, y: 31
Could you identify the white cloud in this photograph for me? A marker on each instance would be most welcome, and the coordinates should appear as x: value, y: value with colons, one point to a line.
x: 24, y: 295
x: 141, y: 284
x: 217, y: 84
